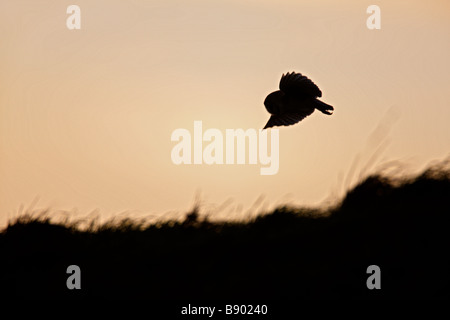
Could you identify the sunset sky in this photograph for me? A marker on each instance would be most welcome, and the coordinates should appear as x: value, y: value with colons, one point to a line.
x: 86, y: 116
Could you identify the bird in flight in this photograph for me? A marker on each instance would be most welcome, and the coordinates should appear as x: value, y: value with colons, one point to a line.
x: 296, y: 99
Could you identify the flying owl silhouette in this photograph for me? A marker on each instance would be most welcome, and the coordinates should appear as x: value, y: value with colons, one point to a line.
x: 296, y: 99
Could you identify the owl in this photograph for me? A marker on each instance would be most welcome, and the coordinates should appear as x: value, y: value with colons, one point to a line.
x: 296, y: 99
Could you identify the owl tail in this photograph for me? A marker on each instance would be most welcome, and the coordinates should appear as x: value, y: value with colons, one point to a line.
x: 323, y: 107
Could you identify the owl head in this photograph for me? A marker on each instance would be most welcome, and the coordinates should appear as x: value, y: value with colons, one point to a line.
x: 274, y: 103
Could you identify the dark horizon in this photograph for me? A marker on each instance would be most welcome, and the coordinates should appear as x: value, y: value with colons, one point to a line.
x: 399, y: 225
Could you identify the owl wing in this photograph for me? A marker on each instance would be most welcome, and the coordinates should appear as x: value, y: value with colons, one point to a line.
x: 296, y: 83
x: 287, y: 119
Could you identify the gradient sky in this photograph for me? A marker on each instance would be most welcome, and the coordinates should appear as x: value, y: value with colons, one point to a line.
x: 86, y: 115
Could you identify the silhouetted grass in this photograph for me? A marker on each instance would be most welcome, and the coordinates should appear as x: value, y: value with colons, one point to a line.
x: 401, y: 225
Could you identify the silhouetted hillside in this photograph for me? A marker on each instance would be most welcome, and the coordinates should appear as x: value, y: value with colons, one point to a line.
x: 401, y: 226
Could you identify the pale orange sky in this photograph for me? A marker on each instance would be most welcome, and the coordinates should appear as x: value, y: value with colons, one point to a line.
x: 86, y: 115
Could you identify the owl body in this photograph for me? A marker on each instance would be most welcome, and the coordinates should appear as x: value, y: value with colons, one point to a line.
x: 278, y: 103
